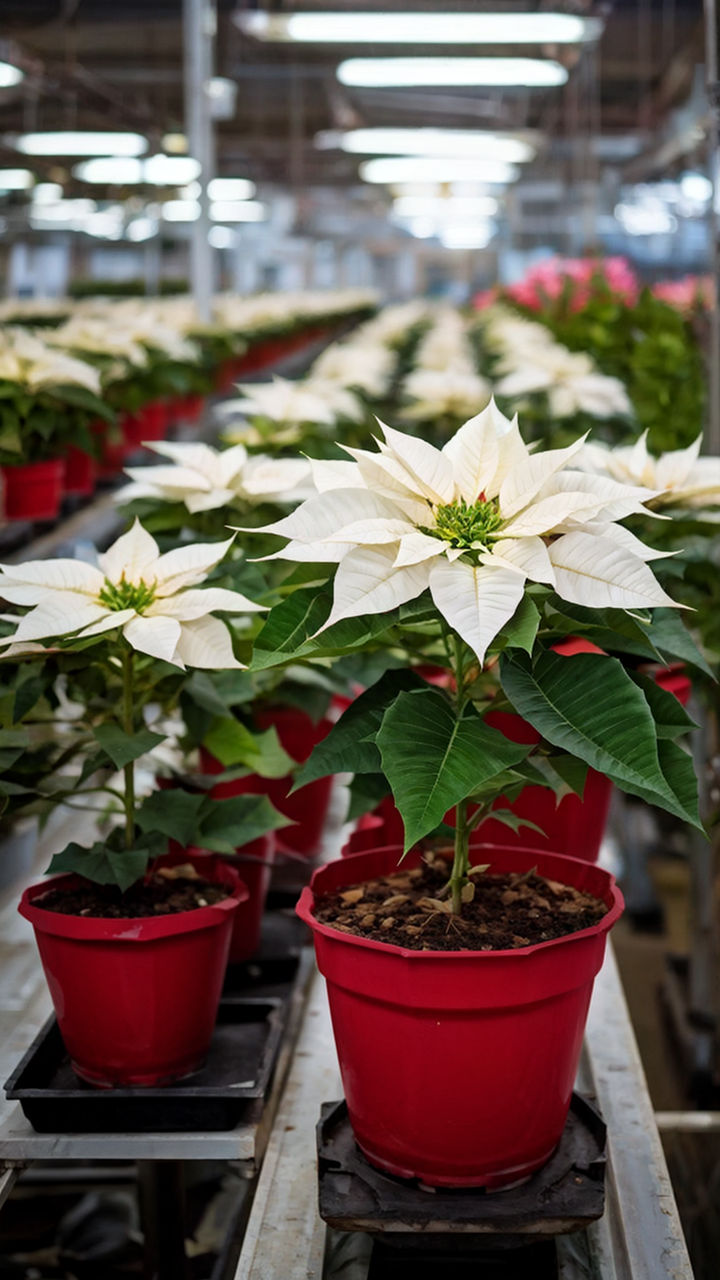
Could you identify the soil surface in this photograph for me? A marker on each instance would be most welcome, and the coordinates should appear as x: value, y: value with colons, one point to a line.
x: 159, y: 895
x: 411, y: 909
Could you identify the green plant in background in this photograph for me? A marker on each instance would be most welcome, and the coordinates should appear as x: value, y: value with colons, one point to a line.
x: 652, y: 349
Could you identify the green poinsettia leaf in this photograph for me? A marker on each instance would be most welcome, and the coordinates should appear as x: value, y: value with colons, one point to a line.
x: 571, y: 772
x: 366, y: 792
x: 172, y: 812
x: 105, y: 864
x: 227, y: 825
x: 674, y: 642
x: 509, y: 819
x: 671, y: 718
x: 432, y: 760
x: 350, y: 745
x: 122, y: 747
x: 521, y: 630
x: 233, y: 744
x: 590, y: 707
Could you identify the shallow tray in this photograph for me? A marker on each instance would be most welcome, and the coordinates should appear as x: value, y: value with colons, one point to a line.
x: 565, y: 1195
x: 238, y: 1070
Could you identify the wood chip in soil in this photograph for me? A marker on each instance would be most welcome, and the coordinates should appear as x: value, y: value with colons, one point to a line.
x: 411, y: 909
x: 158, y: 896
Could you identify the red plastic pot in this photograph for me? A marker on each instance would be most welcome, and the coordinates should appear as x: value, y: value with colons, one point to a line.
x: 254, y: 863
x: 136, y: 1000
x: 33, y: 490
x: 149, y: 423
x: 675, y: 680
x: 190, y: 408
x: 458, y: 1067
x: 80, y: 473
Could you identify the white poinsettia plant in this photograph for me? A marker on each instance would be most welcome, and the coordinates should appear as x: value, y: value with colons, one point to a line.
x: 479, y: 557
x: 199, y: 478
x: 122, y: 634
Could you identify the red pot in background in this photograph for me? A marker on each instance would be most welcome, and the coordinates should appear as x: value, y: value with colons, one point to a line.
x: 112, y: 451
x: 80, y: 473
x: 191, y: 408
x: 33, y: 490
x: 227, y: 372
x: 149, y: 423
x: 136, y: 1000
x: 484, y: 1045
x: 675, y: 680
x: 254, y: 864
x: 307, y: 808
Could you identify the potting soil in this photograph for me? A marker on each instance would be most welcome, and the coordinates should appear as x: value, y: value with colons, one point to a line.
x: 411, y: 909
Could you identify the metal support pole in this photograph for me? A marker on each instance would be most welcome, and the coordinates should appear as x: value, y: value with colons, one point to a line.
x: 712, y: 64
x: 199, y: 25
x: 161, y: 1188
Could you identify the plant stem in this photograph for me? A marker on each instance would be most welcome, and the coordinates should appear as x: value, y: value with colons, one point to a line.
x: 128, y: 726
x: 461, y: 860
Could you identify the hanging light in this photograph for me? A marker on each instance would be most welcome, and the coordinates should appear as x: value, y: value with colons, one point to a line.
x: 430, y: 142
x: 420, y: 28
x: 79, y: 143
x: 231, y: 189
x: 396, y: 73
x: 10, y: 75
x: 15, y: 179
x: 238, y: 211
x: 399, y: 169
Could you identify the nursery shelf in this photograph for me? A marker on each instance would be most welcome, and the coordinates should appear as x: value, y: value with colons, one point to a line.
x: 639, y: 1238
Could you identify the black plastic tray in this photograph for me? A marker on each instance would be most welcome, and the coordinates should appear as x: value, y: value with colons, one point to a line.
x: 565, y: 1195
x: 238, y: 1070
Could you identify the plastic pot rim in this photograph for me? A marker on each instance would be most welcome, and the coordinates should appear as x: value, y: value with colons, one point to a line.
x: 126, y: 928
x: 306, y: 902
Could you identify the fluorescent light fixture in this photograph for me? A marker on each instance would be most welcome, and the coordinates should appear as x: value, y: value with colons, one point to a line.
x: 231, y: 189
x: 472, y: 235
x: 75, y: 143
x: 47, y: 193
x: 65, y: 215
x: 696, y: 187
x: 421, y: 28
x: 142, y: 228
x: 648, y: 219
x: 222, y: 237
x: 170, y: 171
x: 10, y: 75
x: 158, y: 171
x: 422, y: 228
x: 110, y: 170
x: 181, y: 210
x: 398, y: 73
x: 16, y: 179
x: 238, y: 211
x: 391, y: 169
x: 445, y: 208
x: 434, y: 142
x: 106, y: 224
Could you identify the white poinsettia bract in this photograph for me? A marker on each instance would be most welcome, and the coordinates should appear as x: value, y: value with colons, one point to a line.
x: 155, y: 599
x: 203, y: 478
x: 681, y: 477
x: 472, y: 522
